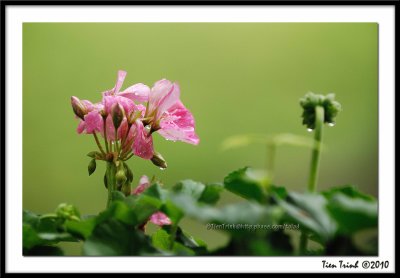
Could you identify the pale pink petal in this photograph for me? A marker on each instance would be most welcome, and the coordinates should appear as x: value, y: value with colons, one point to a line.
x: 160, y: 89
x: 88, y: 105
x: 93, y: 121
x: 141, y: 108
x: 81, y: 127
x: 138, y: 92
x: 126, y: 103
x: 143, y: 142
x: 123, y: 129
x: 120, y: 81
x: 144, y: 183
x: 110, y: 128
x: 160, y: 219
x: 168, y: 100
x: 178, y: 124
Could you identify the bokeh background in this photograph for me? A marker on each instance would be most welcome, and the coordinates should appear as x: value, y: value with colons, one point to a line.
x: 235, y: 78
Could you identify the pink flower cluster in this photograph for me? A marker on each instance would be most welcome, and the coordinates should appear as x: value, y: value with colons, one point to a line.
x: 130, y: 117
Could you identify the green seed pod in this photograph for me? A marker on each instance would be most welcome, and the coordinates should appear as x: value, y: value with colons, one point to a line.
x: 310, y: 101
x: 105, y: 181
x: 159, y: 161
x: 126, y: 188
x: 120, y: 177
x: 129, y: 173
x: 92, y: 166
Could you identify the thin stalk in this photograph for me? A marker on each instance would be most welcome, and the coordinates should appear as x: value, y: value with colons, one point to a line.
x: 105, y: 135
x: 111, y: 182
x: 98, y: 143
x: 315, y: 158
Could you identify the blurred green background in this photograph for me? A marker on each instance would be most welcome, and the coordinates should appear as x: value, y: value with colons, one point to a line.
x: 234, y: 77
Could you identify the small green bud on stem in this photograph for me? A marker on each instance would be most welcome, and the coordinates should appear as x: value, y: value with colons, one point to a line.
x: 158, y: 160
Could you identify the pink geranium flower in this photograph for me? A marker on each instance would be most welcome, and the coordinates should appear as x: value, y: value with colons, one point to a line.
x: 159, y: 218
x: 168, y: 116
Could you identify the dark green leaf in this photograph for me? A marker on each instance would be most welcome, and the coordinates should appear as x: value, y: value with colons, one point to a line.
x: 92, y: 166
x: 30, y: 237
x: 113, y: 238
x: 246, y: 184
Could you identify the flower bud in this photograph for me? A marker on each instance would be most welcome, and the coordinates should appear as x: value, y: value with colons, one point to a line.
x: 310, y: 101
x: 117, y: 114
x: 78, y: 107
x: 120, y: 177
x: 68, y: 212
x: 129, y: 174
x: 92, y: 166
x: 159, y: 161
x: 126, y: 189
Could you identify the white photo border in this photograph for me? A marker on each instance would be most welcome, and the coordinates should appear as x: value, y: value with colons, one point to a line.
x: 384, y: 15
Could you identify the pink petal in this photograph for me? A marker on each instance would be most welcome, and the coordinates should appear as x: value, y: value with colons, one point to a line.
x: 123, y: 129
x: 178, y: 124
x: 160, y: 89
x: 94, y: 122
x: 160, y: 219
x: 110, y: 129
x: 89, y: 106
x: 138, y: 92
x: 126, y: 103
x: 169, y: 100
x: 81, y: 127
x: 120, y: 81
x: 143, y: 142
x: 144, y: 183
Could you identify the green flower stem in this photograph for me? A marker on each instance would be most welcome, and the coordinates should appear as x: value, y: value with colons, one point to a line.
x: 111, y: 182
x: 105, y: 135
x: 313, y: 178
x: 98, y: 143
x: 319, y: 122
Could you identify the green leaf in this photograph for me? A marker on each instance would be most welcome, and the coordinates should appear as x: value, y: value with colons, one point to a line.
x: 30, y: 237
x: 211, y: 193
x: 309, y: 210
x: 246, y: 184
x: 82, y: 229
x: 156, y: 191
x: 174, y: 212
x: 278, y: 191
x: 189, y: 187
x: 348, y: 190
x: 113, y: 238
x: 143, y: 206
x: 161, y: 240
x: 118, y: 196
x: 353, y: 214
x: 92, y: 166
